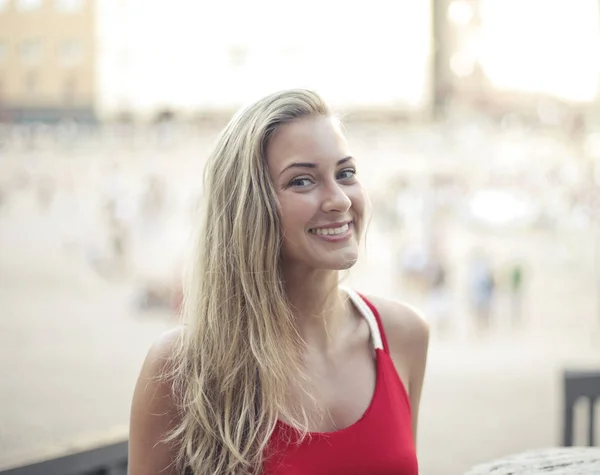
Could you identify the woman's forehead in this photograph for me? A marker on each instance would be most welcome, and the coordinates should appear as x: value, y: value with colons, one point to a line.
x: 309, y: 139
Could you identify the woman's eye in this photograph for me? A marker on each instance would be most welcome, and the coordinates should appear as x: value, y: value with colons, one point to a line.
x: 346, y: 173
x: 300, y: 182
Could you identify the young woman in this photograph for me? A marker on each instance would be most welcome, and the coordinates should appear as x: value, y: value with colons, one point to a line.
x: 277, y: 369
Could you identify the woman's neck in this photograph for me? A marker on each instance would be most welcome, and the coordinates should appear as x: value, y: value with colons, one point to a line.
x: 320, y: 309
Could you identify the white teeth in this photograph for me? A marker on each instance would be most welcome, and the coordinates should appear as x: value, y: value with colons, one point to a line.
x: 329, y: 231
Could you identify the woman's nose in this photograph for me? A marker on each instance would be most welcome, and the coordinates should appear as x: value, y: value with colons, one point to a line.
x: 336, y: 199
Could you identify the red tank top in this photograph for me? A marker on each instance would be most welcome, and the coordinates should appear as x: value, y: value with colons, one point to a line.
x: 379, y: 443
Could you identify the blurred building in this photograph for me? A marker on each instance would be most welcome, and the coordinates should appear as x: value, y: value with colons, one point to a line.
x: 514, y: 53
x: 47, y: 60
x: 146, y: 59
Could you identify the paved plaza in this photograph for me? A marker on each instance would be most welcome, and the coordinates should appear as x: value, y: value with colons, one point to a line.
x: 71, y: 345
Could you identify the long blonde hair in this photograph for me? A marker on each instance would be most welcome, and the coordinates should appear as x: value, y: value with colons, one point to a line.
x: 240, y: 351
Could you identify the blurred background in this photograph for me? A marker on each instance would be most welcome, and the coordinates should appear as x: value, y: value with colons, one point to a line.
x: 476, y: 124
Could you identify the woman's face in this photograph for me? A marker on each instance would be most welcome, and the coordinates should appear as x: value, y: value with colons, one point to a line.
x: 321, y: 201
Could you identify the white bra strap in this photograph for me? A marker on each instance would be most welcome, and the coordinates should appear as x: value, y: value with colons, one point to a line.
x: 366, y: 312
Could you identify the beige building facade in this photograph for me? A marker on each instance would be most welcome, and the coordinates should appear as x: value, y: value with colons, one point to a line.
x: 47, y: 60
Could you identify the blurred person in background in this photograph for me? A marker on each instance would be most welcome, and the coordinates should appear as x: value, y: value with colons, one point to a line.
x: 152, y: 199
x: 119, y: 213
x: 481, y: 289
x: 413, y: 268
x: 516, y: 292
x: 439, y: 300
x: 278, y: 369
x: 116, y: 221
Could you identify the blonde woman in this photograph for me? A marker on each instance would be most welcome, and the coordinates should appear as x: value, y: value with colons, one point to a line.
x: 277, y: 369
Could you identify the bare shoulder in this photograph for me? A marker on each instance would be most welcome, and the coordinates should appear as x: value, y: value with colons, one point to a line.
x: 153, y: 409
x: 161, y: 351
x: 153, y: 387
x: 404, y: 326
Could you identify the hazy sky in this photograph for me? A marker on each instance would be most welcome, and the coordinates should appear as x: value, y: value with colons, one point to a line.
x: 153, y: 53
x: 550, y: 46
x: 179, y: 51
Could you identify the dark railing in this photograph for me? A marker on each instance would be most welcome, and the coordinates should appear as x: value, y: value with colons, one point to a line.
x: 580, y: 385
x: 107, y: 460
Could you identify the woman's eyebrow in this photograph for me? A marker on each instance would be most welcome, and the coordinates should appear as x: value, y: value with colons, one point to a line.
x: 312, y: 165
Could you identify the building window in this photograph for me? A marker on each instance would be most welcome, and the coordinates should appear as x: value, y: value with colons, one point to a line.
x: 69, y: 6
x: 31, y: 83
x: 29, y: 5
x: 31, y: 51
x: 70, y: 52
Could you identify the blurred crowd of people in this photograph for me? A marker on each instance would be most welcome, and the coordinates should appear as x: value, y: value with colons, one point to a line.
x: 133, y: 217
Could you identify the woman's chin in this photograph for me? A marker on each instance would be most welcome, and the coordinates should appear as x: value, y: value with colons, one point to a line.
x: 342, y: 262
x: 340, y: 259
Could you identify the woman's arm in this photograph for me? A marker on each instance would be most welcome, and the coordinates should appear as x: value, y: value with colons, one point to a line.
x: 418, y: 350
x: 153, y: 413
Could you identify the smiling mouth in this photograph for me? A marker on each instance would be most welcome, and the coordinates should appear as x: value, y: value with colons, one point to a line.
x: 330, y: 231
